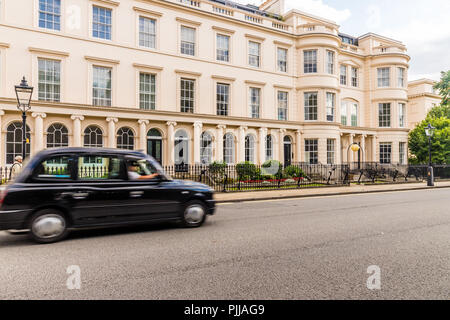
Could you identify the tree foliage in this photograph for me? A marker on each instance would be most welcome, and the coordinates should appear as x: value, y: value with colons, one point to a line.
x: 444, y: 87
x: 438, y: 117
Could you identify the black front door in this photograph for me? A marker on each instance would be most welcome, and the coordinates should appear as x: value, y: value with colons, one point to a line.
x: 154, y: 149
x: 287, y: 154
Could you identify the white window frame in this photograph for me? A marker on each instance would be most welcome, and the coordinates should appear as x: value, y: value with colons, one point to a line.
x: 283, y: 104
x: 402, y: 115
x: 384, y: 77
x: 401, y: 72
x: 51, y: 84
x: 354, y: 77
x: 250, y: 106
x: 343, y: 79
x: 278, y: 48
x: 111, y: 5
x: 316, y: 106
x: 330, y: 64
x: 259, y: 60
x: 384, y: 119
x: 330, y: 106
x: 184, y: 26
x: 218, y: 35
x: 313, y: 64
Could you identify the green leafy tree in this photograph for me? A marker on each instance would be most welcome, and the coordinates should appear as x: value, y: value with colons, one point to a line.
x: 444, y: 87
x: 439, y: 118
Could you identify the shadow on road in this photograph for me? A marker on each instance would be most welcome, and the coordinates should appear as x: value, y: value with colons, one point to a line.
x: 17, y: 240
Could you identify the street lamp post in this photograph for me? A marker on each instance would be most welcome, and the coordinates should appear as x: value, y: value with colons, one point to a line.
x: 23, y: 94
x: 429, y: 131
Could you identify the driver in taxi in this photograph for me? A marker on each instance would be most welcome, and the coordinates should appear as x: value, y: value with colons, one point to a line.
x: 133, y: 172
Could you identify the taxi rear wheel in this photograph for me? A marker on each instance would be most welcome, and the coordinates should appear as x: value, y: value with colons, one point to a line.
x: 48, y: 225
x: 194, y: 214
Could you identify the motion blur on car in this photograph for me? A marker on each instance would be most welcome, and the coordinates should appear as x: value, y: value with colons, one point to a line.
x: 63, y: 189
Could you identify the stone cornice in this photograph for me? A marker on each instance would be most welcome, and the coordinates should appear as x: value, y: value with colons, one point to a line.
x: 147, y: 11
x: 101, y: 60
x: 425, y: 94
x: 48, y: 51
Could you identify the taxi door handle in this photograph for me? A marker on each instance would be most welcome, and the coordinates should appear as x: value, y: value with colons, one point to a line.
x: 136, y: 194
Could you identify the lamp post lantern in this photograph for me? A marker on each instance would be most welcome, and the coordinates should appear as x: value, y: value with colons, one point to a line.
x: 429, y: 131
x: 23, y: 94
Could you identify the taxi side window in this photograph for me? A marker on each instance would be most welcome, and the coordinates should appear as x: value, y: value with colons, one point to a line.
x: 57, y: 167
x: 99, y: 168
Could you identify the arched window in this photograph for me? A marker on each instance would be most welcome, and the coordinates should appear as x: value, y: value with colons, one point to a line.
x: 206, y: 148
x: 228, y: 148
x: 93, y: 137
x: 250, y: 148
x: 269, y: 147
x: 125, y: 138
x: 14, y: 141
x: 154, y: 144
x: 181, y: 147
x: 57, y: 136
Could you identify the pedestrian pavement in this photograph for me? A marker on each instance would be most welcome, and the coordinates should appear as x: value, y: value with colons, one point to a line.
x: 322, y: 191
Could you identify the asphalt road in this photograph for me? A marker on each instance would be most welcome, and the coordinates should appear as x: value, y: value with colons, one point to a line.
x: 313, y: 248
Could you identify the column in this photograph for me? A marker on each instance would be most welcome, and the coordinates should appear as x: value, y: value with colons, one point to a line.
x: 2, y: 155
x: 338, y: 154
x: 262, y: 145
x: 374, y: 149
x: 77, y: 129
x: 111, y: 132
x: 219, y: 142
x: 298, y: 149
x: 143, y: 134
x: 241, y: 144
x: 280, y: 148
x: 170, y: 142
x: 197, y: 136
x: 349, y: 149
x: 38, y: 131
x: 363, y: 148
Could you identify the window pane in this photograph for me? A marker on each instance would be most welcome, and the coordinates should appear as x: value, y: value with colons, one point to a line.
x: 55, y: 167
x: 222, y: 99
x: 223, y: 48
x: 310, y: 105
x: 98, y: 168
x: 101, y: 23
x: 49, y: 14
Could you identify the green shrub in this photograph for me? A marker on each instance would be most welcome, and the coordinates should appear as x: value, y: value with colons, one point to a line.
x: 294, y: 172
x: 245, y: 170
x: 217, y: 168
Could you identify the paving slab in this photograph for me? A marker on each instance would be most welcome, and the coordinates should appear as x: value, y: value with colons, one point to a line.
x: 225, y: 197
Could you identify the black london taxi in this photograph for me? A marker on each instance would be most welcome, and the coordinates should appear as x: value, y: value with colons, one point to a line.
x: 62, y: 189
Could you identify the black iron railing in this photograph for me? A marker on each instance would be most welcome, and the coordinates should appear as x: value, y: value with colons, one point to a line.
x: 249, y: 177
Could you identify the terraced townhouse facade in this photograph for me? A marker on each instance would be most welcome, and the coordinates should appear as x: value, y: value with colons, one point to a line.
x: 195, y: 81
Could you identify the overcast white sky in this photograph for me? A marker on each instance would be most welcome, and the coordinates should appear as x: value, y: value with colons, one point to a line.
x: 424, y: 26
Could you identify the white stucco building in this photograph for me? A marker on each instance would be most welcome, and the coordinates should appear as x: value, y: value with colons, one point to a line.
x: 221, y: 80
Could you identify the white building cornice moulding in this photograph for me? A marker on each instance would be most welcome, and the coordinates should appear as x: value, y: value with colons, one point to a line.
x: 258, y: 83
x: 252, y: 36
x: 101, y: 60
x: 187, y: 21
x: 4, y: 45
x: 214, y: 76
x: 107, y: 2
x: 225, y: 30
x: 48, y: 51
x: 147, y: 11
x: 191, y: 73
x: 146, y: 66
